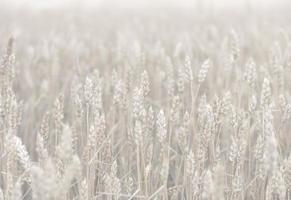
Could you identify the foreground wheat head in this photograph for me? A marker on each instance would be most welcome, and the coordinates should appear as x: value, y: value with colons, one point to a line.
x: 147, y: 112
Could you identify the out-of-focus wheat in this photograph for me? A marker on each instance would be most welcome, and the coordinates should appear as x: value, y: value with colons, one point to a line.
x: 168, y: 108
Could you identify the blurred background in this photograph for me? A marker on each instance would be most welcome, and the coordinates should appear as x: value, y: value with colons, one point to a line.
x: 202, y: 4
x: 54, y: 39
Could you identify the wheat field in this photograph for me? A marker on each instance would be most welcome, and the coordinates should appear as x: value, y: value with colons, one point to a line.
x: 148, y: 104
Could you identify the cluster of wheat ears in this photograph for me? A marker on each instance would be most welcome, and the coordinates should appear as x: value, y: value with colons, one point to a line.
x: 147, y: 112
